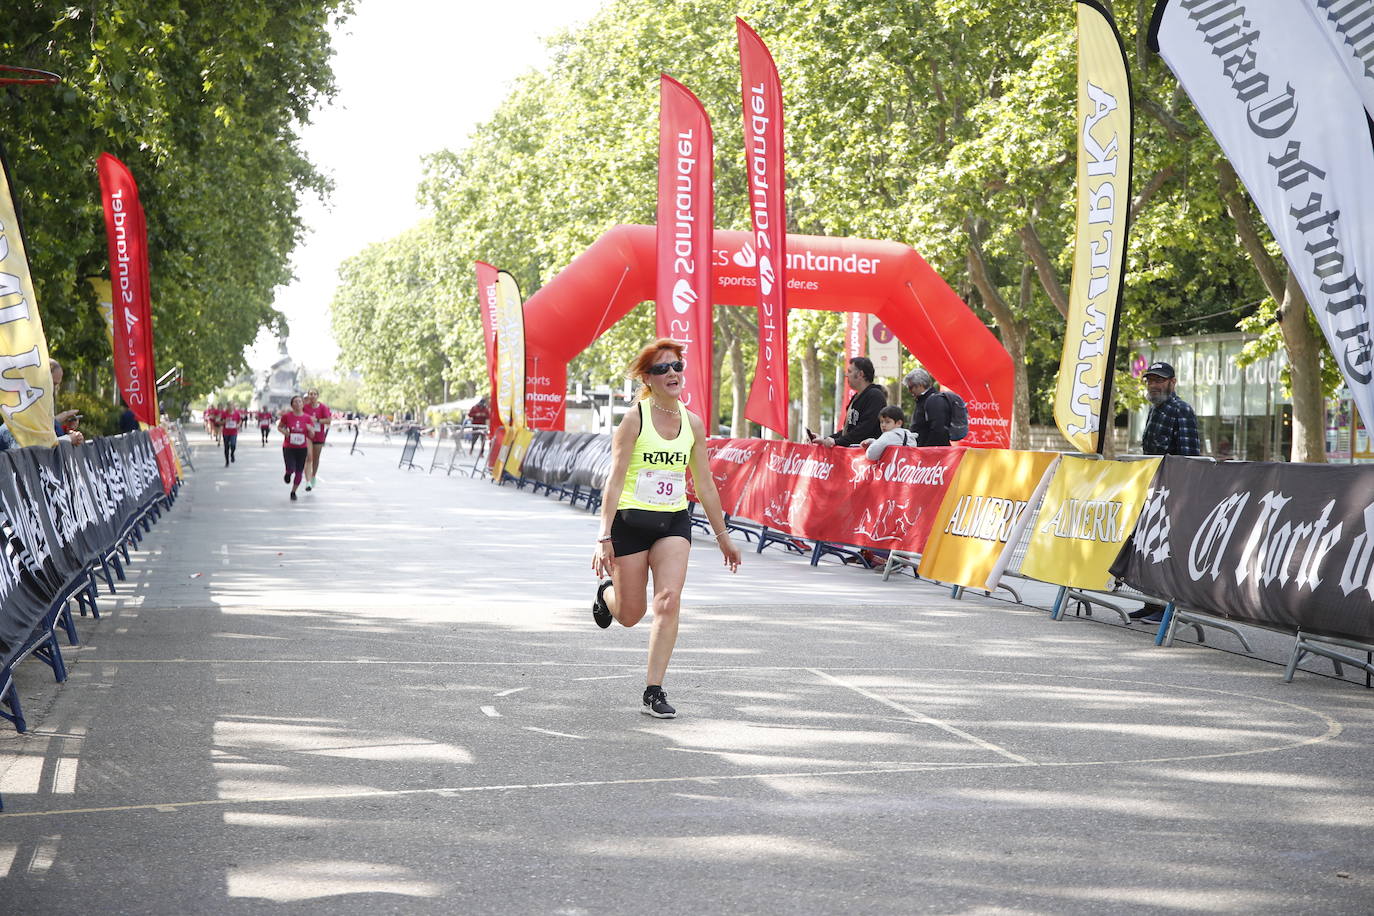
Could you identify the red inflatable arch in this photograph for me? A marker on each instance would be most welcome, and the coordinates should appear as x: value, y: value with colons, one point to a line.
x: 886, y: 279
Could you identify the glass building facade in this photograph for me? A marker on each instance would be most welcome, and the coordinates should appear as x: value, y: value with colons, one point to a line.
x: 1242, y: 411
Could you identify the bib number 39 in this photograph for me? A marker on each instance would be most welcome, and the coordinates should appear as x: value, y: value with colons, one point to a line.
x: 660, y: 488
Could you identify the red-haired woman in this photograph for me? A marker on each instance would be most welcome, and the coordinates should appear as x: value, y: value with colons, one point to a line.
x: 645, y: 524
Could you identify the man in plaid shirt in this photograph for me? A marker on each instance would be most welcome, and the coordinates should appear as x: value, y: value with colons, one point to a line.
x: 1171, y: 428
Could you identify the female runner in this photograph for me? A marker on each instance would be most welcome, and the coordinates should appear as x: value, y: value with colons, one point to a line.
x: 645, y: 524
x: 296, y: 425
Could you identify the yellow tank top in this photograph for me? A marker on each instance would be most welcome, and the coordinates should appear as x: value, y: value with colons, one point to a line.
x: 657, y: 476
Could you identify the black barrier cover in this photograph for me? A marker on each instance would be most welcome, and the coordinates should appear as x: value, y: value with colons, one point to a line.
x: 1287, y: 546
x: 591, y: 463
x: 59, y: 509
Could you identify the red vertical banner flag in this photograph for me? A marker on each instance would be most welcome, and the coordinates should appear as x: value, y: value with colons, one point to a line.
x: 855, y: 344
x: 768, y: 397
x: 487, y: 304
x: 686, y: 223
x: 127, y: 234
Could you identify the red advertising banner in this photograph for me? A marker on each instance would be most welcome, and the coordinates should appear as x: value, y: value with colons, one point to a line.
x: 487, y: 305
x: 763, y: 154
x: 162, y: 450
x: 835, y: 494
x: 127, y: 234
x: 686, y: 221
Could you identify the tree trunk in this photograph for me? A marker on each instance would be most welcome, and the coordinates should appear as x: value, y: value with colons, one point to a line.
x: 1305, y: 375
x: 1304, y: 347
x: 738, y: 426
x: 1013, y: 333
x: 811, y: 391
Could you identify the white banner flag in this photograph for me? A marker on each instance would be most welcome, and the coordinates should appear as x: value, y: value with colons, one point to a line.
x: 1262, y: 75
x: 1349, y: 28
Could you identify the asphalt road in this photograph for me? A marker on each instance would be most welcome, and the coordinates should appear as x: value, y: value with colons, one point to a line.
x: 390, y: 697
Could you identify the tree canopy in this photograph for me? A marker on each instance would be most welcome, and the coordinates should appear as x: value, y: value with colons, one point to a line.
x: 945, y: 124
x: 204, y: 102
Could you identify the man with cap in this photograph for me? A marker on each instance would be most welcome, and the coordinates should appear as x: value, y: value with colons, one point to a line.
x: 1170, y: 429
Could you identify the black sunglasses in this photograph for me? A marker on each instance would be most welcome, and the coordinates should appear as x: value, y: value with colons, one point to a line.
x: 662, y: 368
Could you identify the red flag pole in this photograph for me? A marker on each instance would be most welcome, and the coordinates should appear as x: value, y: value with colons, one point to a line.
x: 686, y: 224
x: 763, y: 154
x: 126, y: 231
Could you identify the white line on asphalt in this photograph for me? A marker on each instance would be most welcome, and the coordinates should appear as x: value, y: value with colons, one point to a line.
x: 491, y: 711
x: 545, y: 731
x: 506, y: 693
x: 922, y: 717
x: 605, y: 677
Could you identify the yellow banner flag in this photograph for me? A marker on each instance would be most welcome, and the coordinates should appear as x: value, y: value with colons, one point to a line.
x: 989, y: 493
x: 104, y: 302
x: 510, y: 352
x: 1089, y: 510
x: 26, y: 395
x: 1083, y: 397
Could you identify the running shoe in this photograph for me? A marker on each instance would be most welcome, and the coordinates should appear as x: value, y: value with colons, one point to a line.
x: 293, y: 494
x: 286, y: 478
x: 600, y: 612
x: 307, y: 487
x: 656, y: 705
x: 314, y: 481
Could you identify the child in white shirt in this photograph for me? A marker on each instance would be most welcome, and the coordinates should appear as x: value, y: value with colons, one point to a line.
x: 890, y: 421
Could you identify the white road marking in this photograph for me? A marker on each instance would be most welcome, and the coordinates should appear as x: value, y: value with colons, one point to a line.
x: 545, y: 731
x: 506, y: 693
x: 922, y: 717
x: 491, y: 711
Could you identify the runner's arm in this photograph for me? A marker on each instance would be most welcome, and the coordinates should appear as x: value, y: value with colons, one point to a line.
x: 708, y: 495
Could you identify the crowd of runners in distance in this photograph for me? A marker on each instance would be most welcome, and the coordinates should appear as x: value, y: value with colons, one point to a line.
x: 304, y: 425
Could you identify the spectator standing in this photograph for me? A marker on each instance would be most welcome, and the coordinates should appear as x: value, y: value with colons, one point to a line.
x: 861, y: 415
x: 1170, y: 429
x: 128, y: 423
x: 480, y: 418
x: 930, y: 414
x: 64, y: 424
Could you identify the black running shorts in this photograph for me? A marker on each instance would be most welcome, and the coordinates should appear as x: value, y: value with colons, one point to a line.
x: 627, y: 539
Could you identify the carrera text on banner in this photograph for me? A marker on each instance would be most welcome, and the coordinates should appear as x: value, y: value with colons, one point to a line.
x: 1082, y: 398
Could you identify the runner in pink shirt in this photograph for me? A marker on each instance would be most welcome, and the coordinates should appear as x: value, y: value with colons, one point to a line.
x: 322, y: 416
x: 297, y: 426
x: 264, y: 424
x: 231, y: 418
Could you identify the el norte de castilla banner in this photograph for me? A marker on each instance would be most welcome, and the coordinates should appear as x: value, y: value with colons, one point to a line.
x: 1267, y: 81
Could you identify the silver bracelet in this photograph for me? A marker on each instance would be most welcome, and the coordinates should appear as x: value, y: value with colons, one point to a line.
x: 722, y: 533
x: 602, y: 540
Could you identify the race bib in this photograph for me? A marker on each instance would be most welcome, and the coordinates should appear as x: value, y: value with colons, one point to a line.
x: 296, y: 438
x: 661, y: 488
x: 231, y: 424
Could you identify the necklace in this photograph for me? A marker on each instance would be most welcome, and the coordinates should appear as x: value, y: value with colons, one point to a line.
x: 671, y: 413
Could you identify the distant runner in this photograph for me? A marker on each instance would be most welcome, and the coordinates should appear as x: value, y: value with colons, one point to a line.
x: 322, y: 416
x: 297, y: 426
x: 230, y: 420
x: 264, y: 424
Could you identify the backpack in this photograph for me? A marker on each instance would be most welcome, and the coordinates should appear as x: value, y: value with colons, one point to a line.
x: 958, y: 416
